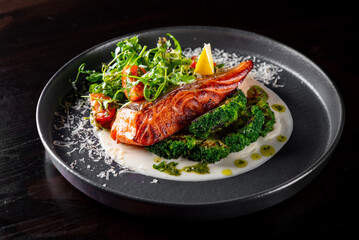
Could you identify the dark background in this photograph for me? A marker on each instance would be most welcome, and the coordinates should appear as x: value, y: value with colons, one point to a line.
x: 38, y: 37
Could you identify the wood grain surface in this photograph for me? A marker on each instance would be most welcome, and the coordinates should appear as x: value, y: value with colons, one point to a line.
x: 38, y: 37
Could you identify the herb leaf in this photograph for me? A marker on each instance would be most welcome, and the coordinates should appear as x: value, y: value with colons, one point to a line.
x: 164, y: 67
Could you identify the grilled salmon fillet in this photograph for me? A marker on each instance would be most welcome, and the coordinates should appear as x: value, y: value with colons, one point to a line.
x: 144, y: 123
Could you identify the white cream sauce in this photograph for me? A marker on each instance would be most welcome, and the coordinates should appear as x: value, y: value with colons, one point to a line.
x: 141, y: 161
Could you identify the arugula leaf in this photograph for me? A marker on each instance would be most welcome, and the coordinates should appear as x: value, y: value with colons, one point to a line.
x: 93, y: 75
x: 164, y: 67
x: 178, y: 46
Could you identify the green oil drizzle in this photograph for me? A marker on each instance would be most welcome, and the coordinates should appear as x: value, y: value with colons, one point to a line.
x: 240, y: 163
x: 157, y: 159
x: 256, y: 156
x: 267, y: 150
x: 281, y: 138
x: 278, y: 107
x: 227, y: 172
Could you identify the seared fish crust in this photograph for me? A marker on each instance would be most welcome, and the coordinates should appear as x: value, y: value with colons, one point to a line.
x: 145, y: 123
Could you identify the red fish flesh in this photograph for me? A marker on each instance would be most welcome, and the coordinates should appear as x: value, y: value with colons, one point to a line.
x: 144, y: 123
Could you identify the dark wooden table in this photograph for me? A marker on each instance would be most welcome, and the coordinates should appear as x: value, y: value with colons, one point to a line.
x: 37, y: 37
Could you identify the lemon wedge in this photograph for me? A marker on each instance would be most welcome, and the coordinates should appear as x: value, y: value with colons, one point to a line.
x: 205, y: 65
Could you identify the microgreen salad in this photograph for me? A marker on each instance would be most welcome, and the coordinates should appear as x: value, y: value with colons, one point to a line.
x: 136, y: 72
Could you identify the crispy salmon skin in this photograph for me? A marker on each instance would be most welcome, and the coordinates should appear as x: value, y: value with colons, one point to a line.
x: 144, y: 123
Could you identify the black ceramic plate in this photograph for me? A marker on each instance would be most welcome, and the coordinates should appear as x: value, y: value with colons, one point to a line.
x: 315, y: 104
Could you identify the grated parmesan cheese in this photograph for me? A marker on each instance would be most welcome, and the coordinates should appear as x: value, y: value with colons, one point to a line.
x: 263, y: 72
x: 77, y: 138
x: 154, y: 181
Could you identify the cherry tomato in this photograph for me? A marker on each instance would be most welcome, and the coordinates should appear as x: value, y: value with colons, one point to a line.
x: 103, y: 116
x: 194, y: 62
x: 136, y: 92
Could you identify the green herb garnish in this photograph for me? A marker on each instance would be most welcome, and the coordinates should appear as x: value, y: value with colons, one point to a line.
x: 164, y: 67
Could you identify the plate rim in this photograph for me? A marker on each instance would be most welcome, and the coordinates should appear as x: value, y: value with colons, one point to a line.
x: 308, y: 171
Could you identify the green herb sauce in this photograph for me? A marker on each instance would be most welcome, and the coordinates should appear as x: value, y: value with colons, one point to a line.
x: 199, y: 168
x: 171, y: 168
